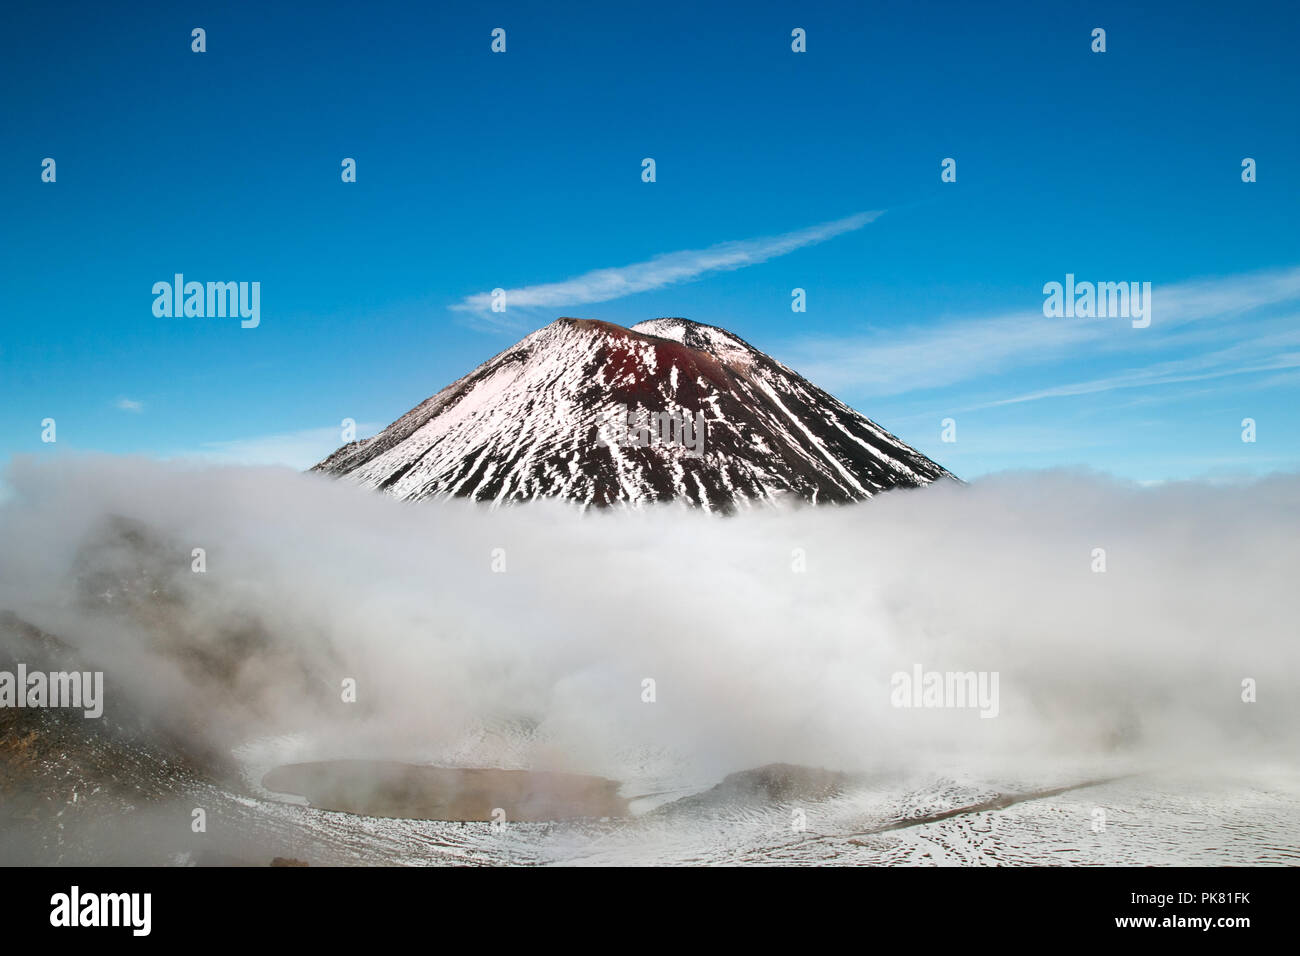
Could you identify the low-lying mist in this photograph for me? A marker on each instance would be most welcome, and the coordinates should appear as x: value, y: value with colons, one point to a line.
x: 523, y: 637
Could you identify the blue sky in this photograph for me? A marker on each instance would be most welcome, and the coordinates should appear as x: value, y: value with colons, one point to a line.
x: 523, y: 170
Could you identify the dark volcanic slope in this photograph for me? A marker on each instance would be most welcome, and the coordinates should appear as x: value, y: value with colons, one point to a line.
x: 524, y: 425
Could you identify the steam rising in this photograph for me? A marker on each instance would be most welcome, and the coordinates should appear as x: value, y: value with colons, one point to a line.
x: 310, y: 582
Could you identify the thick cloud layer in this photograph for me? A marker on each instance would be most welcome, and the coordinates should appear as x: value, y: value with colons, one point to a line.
x: 770, y: 636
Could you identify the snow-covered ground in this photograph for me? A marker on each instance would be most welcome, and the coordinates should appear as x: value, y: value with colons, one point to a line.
x: 1173, y: 817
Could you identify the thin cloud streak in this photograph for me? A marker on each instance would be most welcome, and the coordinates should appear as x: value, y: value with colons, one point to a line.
x: 894, y: 362
x: 1265, y: 353
x: 602, y: 285
x: 1143, y: 378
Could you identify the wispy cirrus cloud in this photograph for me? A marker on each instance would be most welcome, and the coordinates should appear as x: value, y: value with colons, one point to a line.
x: 602, y: 285
x: 1187, y: 315
x: 129, y: 405
x: 1165, y: 373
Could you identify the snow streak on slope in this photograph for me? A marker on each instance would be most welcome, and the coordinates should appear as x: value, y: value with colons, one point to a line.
x: 524, y: 425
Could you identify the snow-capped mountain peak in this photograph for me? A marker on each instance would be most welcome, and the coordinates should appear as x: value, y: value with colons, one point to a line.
x: 669, y: 409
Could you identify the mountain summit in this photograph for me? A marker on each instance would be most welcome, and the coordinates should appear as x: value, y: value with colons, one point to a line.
x: 667, y: 410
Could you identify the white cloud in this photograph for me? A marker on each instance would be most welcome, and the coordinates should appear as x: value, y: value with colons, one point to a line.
x: 754, y: 664
x: 1197, y: 369
x: 602, y: 285
x: 129, y: 405
x: 894, y: 361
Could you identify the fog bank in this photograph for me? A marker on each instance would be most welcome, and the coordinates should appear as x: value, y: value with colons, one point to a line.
x: 522, y: 637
